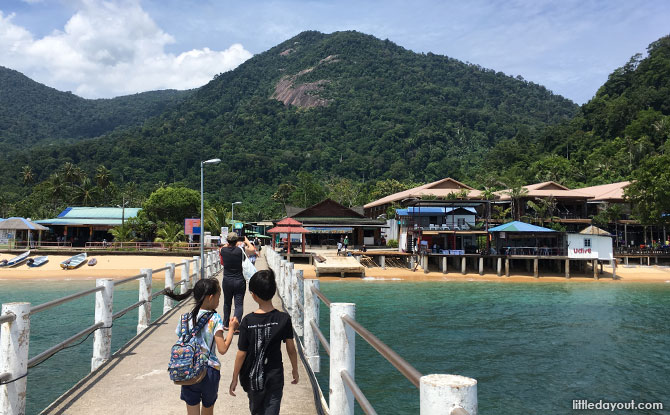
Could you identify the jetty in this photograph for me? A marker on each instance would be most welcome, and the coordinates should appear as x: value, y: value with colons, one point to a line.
x: 135, y: 378
x: 341, y: 265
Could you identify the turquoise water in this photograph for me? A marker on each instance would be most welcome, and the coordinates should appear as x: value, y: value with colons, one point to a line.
x: 533, y: 348
x: 50, y: 379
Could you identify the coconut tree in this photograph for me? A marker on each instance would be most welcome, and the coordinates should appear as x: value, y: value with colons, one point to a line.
x: 216, y: 218
x: 102, y: 177
x: 516, y: 193
x: 122, y: 233
x: 28, y: 175
x: 170, y: 233
x: 85, y: 193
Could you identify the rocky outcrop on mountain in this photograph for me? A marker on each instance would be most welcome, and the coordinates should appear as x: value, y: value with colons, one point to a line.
x: 304, y: 95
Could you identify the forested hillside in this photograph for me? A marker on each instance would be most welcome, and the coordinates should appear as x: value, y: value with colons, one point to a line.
x: 316, y: 110
x: 33, y: 114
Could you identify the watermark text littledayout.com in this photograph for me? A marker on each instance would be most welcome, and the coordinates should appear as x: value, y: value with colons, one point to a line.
x: 585, y: 404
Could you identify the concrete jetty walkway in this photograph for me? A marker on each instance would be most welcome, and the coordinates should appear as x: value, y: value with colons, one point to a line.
x: 135, y: 379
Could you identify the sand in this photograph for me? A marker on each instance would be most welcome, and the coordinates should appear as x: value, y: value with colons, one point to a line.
x: 121, y: 266
x: 108, y: 266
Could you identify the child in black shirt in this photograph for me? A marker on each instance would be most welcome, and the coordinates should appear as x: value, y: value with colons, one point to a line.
x: 259, y: 361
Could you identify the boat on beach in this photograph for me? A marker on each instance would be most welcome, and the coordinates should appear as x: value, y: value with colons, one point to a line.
x: 37, y: 261
x: 73, y: 262
x: 16, y: 260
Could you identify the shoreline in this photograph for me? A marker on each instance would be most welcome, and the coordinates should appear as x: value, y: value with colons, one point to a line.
x: 123, y: 266
x: 108, y: 266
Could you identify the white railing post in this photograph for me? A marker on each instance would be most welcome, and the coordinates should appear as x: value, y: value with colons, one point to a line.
x: 144, y: 313
x: 342, y: 357
x: 288, y: 289
x: 185, y: 276
x: 197, y: 271
x: 14, y: 339
x: 104, y: 306
x: 169, y: 283
x: 312, y: 304
x: 298, y: 295
x: 441, y: 394
x: 282, y: 274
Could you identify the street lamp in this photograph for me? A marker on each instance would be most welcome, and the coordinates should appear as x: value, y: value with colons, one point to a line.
x: 202, y: 214
x: 232, y: 214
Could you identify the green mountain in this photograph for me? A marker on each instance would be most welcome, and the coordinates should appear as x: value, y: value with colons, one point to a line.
x: 33, y: 114
x: 339, y: 105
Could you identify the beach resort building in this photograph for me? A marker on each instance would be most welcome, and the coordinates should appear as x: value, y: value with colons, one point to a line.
x: 79, y: 225
x: 329, y: 222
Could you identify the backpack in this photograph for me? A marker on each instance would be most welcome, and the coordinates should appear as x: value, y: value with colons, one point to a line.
x: 188, y: 364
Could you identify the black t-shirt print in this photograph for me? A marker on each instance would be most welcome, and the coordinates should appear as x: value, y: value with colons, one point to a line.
x: 261, y: 336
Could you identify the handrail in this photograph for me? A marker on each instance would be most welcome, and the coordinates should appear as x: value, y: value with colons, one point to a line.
x: 358, y: 394
x: 322, y: 338
x: 127, y: 309
x: 323, y: 298
x: 125, y: 280
x: 60, y: 301
x: 394, y: 358
x: 53, y: 350
x: 7, y: 318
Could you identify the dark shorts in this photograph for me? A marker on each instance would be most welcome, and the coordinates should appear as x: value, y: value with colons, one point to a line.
x: 206, y: 391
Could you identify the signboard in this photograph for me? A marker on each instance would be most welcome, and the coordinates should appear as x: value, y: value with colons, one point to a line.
x: 192, y: 226
x: 224, y: 233
x: 238, y: 225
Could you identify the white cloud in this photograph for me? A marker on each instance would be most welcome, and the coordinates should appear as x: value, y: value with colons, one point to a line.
x: 110, y: 48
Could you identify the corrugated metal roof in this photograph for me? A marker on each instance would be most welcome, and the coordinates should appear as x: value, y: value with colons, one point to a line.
x: 80, y: 212
x: 516, y: 226
x: 80, y: 222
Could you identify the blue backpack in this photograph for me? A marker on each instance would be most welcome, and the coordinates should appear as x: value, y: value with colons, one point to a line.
x: 188, y: 364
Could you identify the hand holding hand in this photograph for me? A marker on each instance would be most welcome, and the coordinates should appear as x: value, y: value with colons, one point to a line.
x: 234, y: 324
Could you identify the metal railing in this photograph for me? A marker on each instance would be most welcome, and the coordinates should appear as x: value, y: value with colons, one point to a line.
x: 147, y: 246
x: 440, y: 394
x: 15, y: 321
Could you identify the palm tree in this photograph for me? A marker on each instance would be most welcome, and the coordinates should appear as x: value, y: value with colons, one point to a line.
x: 85, y: 193
x: 28, y: 176
x: 122, y: 234
x: 102, y: 177
x: 216, y: 218
x: 56, y: 187
x: 71, y: 173
x: 516, y: 193
x: 169, y: 234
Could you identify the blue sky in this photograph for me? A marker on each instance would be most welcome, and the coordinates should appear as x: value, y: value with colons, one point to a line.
x: 98, y: 48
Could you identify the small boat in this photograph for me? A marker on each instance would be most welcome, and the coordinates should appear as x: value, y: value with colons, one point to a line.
x: 38, y: 261
x: 92, y: 262
x: 16, y: 260
x: 73, y: 262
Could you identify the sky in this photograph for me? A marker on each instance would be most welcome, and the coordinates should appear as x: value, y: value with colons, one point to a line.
x: 108, y: 48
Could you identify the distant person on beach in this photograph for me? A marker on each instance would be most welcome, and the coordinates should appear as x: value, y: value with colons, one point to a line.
x: 206, y: 294
x: 258, y: 364
x: 234, y: 284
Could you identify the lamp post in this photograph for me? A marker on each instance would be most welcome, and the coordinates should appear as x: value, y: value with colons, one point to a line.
x: 232, y: 214
x: 123, y: 210
x: 202, y: 214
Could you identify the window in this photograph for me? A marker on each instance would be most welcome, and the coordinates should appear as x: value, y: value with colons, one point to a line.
x: 461, y: 222
x: 587, y: 242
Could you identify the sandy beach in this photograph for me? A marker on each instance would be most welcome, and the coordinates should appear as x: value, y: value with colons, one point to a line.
x: 108, y: 266
x: 631, y: 273
x: 121, y: 266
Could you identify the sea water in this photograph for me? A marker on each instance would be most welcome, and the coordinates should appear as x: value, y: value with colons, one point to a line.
x: 532, y: 347
x: 53, y: 377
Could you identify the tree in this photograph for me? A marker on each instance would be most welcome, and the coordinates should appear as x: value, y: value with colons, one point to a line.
x: 85, y: 193
x: 216, y: 218
x: 170, y: 233
x: 102, y: 177
x: 172, y: 204
x: 308, y: 191
x: 649, y: 192
x: 516, y: 193
x: 345, y: 191
x: 283, y: 193
x: 122, y: 233
x: 27, y: 175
